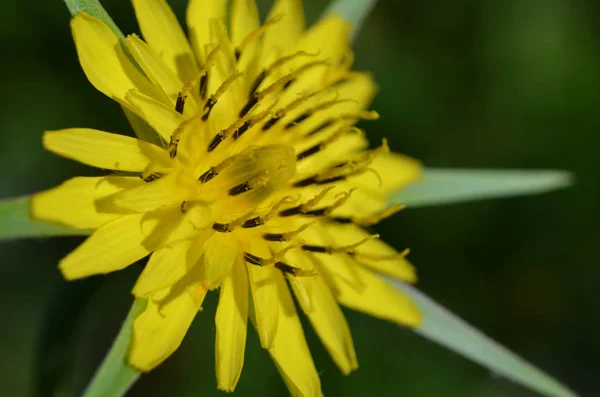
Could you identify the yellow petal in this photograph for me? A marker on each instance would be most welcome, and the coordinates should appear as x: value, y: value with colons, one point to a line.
x: 264, y: 295
x: 231, y: 324
x: 339, y: 265
x: 284, y: 34
x: 226, y: 111
x: 329, y: 38
x: 105, y: 150
x: 116, y: 245
x: 162, y: 31
x: 330, y: 324
x: 168, y: 191
x: 159, y: 330
x: 104, y: 61
x: 165, y: 120
x: 245, y: 20
x: 396, y: 171
x: 155, y: 68
x: 199, y: 13
x: 220, y: 252
x: 290, y: 351
x: 379, y: 299
x: 73, y: 203
x: 374, y: 254
x: 303, y: 286
x: 180, y: 250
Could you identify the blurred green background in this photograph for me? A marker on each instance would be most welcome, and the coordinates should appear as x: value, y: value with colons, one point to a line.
x: 468, y: 83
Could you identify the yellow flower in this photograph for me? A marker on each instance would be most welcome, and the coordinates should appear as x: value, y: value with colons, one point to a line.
x: 262, y: 184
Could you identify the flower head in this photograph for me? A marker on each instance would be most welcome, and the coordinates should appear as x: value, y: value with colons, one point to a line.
x: 260, y: 186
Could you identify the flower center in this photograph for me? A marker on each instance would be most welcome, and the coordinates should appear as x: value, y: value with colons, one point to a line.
x: 247, y: 179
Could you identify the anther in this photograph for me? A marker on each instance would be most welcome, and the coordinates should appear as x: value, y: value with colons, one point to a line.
x: 215, y: 141
x: 287, y: 236
x: 172, y: 148
x: 222, y: 227
x: 287, y: 268
x: 253, y: 259
x: 152, y: 177
x: 258, y: 181
x: 320, y: 127
x: 239, y: 189
x: 271, y: 122
x: 298, y: 120
x: 253, y: 222
x: 203, y: 85
x: 258, y: 81
x: 212, y: 100
x: 261, y: 220
x: 180, y: 103
x: 288, y: 84
x: 182, y: 207
x: 249, y: 105
x: 347, y: 249
x: 309, y: 152
x: 208, y: 175
x: 240, y: 131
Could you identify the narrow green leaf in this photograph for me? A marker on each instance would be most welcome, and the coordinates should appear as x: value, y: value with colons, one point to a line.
x: 356, y: 11
x: 16, y: 222
x: 115, y: 376
x: 443, y: 186
x: 445, y: 328
x: 94, y: 8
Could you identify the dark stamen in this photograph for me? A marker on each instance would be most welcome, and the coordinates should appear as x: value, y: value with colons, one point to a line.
x: 217, y: 139
x: 239, y: 189
x: 315, y: 248
x: 203, y: 85
x: 180, y: 104
x: 298, y: 120
x: 172, y: 148
x: 341, y: 219
x: 309, y: 152
x: 152, y: 177
x: 251, y: 102
x: 270, y: 123
x: 314, y: 181
x: 320, y: 127
x: 253, y: 222
x: 240, y: 131
x: 237, y: 53
x: 208, y: 175
x: 274, y: 237
x: 253, y: 259
x: 286, y: 268
x: 291, y: 211
x: 221, y: 227
x: 287, y: 84
x: 208, y: 106
x: 317, y: 212
x: 258, y: 81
